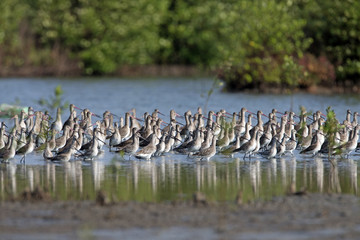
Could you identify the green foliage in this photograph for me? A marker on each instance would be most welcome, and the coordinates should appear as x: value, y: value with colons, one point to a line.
x: 291, y: 72
x: 269, y: 38
x: 334, y: 26
x: 56, y: 101
x: 11, y: 13
x: 254, y: 43
x: 122, y: 154
x: 318, y: 71
x: 302, y: 114
x: 331, y: 127
x: 195, y: 32
x: 102, y: 34
x: 10, y: 18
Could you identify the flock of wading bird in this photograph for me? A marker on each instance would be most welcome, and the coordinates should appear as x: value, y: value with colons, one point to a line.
x: 197, y: 136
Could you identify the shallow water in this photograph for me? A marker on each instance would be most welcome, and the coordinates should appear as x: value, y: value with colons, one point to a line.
x: 172, y: 176
x: 180, y: 233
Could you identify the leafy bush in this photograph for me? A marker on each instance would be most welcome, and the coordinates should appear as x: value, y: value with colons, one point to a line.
x: 254, y: 43
x: 11, y: 13
x: 270, y: 40
x: 334, y: 27
x: 318, y: 70
x: 102, y: 34
x: 195, y: 32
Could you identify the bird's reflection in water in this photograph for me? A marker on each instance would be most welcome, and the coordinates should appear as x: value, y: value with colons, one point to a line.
x: 98, y: 169
x: 135, y: 174
x: 283, y: 172
x: 334, y: 182
x: 352, y: 171
x: 11, y: 167
x: 168, y: 177
x: 205, y: 175
x: 255, y: 176
x: 319, y: 164
x: 293, y: 164
x: 273, y: 164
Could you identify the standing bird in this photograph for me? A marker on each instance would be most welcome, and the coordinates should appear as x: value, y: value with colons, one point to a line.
x: 313, y: 148
x: 57, y: 124
x: 93, y: 151
x: 37, y: 124
x: 63, y: 157
x: 265, y: 139
x: 281, y: 148
x: 291, y: 145
x: 230, y: 150
x: 170, y: 140
x: 246, y: 137
x: 115, y: 138
x: 30, y: 119
x: 71, y: 120
x: 135, y: 123
x: 8, y: 154
x: 124, y: 131
x: 248, y: 147
x: 240, y: 126
x: 209, y: 152
x: 351, y: 145
x: 272, y: 152
x: 47, y: 154
x: 225, y: 140
x: 61, y: 141
x: 2, y: 136
x: 147, y: 151
x: 160, y: 148
x: 27, y: 148
x: 131, y: 147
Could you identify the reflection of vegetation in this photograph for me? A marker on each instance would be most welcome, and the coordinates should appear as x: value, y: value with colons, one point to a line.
x: 56, y: 101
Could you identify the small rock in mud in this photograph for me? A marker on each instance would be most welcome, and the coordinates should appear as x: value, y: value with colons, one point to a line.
x: 101, y: 198
x: 238, y: 199
x: 199, y: 198
x: 37, y: 195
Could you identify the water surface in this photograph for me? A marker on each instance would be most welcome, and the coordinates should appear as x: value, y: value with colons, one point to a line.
x: 172, y: 176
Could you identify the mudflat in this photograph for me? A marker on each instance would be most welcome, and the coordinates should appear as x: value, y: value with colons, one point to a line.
x: 309, y: 216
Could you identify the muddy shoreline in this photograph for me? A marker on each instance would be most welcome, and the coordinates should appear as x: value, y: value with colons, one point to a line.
x: 307, y: 217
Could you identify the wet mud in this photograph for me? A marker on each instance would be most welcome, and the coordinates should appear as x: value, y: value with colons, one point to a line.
x: 304, y: 216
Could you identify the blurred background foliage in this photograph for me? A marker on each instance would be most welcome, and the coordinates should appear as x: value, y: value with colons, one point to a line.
x: 250, y: 44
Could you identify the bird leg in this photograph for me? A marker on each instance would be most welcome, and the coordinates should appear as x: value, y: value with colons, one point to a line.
x: 22, y: 159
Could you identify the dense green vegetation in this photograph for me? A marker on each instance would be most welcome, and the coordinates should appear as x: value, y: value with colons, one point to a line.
x: 252, y: 44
